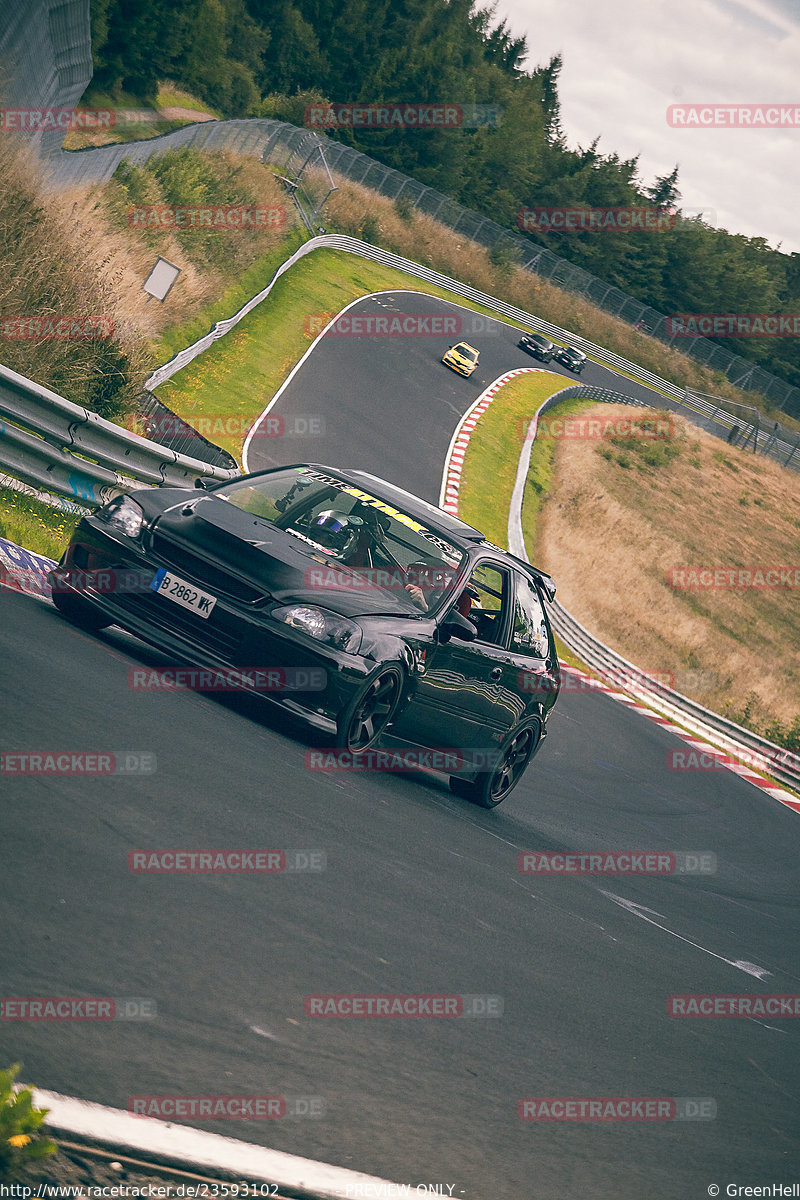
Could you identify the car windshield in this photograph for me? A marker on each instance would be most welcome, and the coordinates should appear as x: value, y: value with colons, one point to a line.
x: 466, y: 352
x: 360, y: 542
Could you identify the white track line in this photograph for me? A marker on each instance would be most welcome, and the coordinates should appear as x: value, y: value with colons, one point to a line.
x: 209, y: 1151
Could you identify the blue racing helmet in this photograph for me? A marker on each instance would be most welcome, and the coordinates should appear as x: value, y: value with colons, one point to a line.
x: 337, y: 532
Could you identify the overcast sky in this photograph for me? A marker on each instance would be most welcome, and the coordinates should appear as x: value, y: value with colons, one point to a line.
x: 626, y: 61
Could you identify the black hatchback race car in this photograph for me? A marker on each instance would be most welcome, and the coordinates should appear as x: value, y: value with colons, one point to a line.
x: 571, y: 358
x: 369, y: 614
x: 537, y: 345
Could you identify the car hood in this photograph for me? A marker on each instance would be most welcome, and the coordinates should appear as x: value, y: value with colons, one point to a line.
x: 276, y: 563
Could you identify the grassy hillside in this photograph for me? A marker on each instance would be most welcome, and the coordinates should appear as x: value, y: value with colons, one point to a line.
x: 623, y: 520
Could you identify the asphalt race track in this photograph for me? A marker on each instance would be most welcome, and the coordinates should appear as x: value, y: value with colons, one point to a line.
x: 421, y: 894
x: 387, y: 404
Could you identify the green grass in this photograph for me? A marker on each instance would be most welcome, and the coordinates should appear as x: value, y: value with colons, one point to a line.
x: 250, y: 283
x: 170, y: 96
x: 34, y: 525
x: 128, y: 131
x: 490, y: 464
x: 238, y: 375
x: 94, y: 98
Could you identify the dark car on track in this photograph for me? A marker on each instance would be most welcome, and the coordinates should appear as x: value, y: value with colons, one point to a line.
x: 537, y: 345
x: 367, y: 613
x: 571, y: 358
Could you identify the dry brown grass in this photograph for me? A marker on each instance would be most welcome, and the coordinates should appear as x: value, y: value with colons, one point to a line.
x: 74, y: 253
x: 46, y: 271
x: 98, y: 218
x: 362, y: 213
x: 610, y: 535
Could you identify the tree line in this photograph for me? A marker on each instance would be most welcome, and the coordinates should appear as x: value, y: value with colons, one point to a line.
x: 277, y: 58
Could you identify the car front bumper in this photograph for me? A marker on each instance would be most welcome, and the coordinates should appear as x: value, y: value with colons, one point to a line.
x: 112, y: 574
x: 462, y: 369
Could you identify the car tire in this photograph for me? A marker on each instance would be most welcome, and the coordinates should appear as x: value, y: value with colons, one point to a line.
x: 79, y: 612
x: 370, y: 712
x: 491, y: 788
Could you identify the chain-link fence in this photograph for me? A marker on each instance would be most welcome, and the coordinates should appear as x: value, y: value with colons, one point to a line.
x: 359, y: 168
x: 160, y: 424
x: 45, y: 57
x: 294, y: 152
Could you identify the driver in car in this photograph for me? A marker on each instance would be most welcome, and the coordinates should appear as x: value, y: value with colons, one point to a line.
x: 350, y: 539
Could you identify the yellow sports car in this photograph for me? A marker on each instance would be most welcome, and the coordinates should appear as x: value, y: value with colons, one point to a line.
x: 462, y: 358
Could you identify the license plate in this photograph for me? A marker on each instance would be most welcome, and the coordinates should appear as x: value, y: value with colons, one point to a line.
x: 183, y: 593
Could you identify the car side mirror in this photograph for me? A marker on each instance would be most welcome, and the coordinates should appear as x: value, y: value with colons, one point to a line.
x: 456, y: 626
x: 204, y: 481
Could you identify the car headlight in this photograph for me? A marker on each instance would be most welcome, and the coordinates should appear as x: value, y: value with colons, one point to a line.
x: 323, y: 625
x: 124, y: 515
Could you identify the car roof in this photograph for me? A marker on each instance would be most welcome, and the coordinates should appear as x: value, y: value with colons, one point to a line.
x: 472, y: 348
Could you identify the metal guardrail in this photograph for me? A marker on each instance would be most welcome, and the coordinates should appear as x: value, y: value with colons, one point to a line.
x: 49, y: 442
x: 764, y: 755
x: 185, y: 356
x: 782, y: 764
x: 776, y: 448
x: 279, y: 143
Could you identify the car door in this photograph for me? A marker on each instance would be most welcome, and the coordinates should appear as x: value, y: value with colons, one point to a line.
x: 467, y: 696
